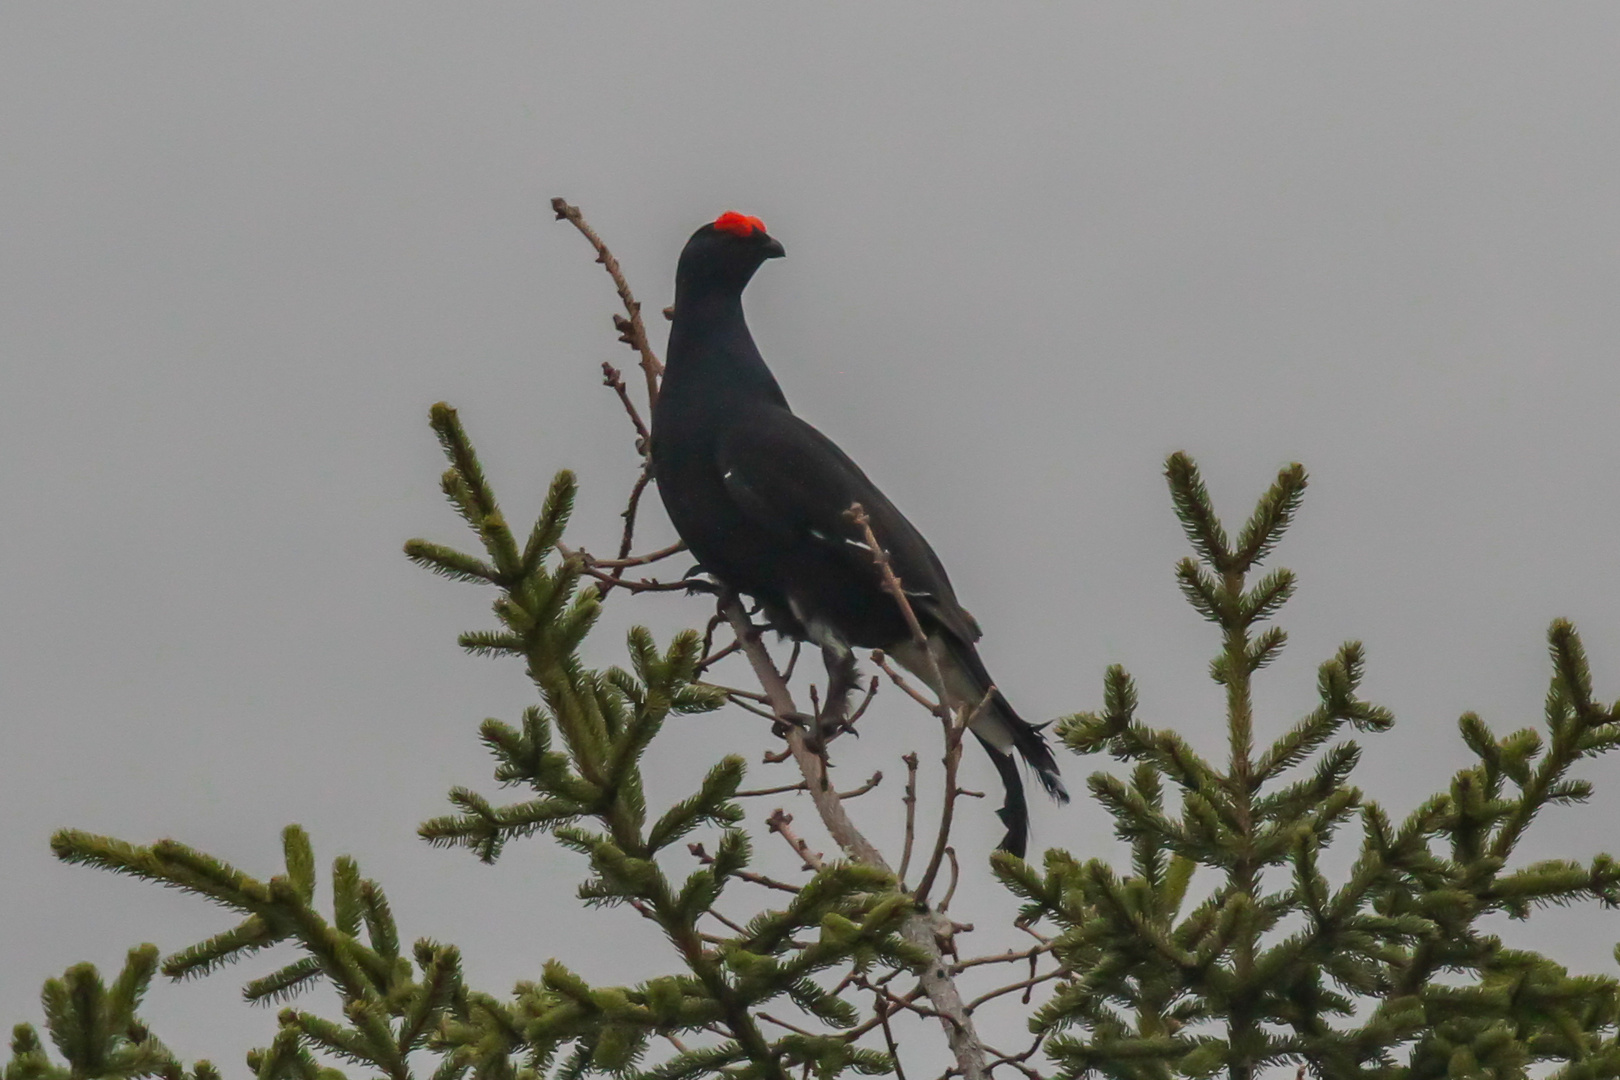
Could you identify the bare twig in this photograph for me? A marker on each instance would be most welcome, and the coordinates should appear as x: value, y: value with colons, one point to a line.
x: 706, y: 859
x: 1032, y: 932
x: 613, y: 377
x: 903, y: 683
x: 727, y: 923
x: 1017, y: 1061
x: 631, y: 330
x: 878, y: 988
x: 956, y: 873
x: 711, y: 659
x: 781, y: 823
x: 784, y: 1024
x: 1008, y: 957
x: 591, y: 569
x: 911, y: 814
x: 947, y: 813
x: 1011, y: 987
x: 953, y: 716
x: 895, y: 588
x: 742, y: 703
x: 897, y: 1002
x: 882, y: 1011
x: 641, y: 560
x: 757, y: 792
x: 736, y: 692
x: 629, y: 536
x: 853, y: 793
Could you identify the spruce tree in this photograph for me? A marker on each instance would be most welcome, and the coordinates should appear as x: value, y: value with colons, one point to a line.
x: 1221, y: 946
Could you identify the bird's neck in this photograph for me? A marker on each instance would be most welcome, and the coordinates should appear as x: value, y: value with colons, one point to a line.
x: 712, y: 354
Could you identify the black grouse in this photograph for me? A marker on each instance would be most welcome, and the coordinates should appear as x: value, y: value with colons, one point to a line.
x: 760, y: 497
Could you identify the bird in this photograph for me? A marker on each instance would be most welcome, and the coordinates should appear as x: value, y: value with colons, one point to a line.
x: 761, y: 499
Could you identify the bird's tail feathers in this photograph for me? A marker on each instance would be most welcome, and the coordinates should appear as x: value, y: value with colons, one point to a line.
x: 998, y: 722
x: 1014, y: 813
x: 1002, y: 731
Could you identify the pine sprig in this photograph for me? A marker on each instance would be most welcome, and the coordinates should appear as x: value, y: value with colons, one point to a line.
x: 1278, y: 964
x: 580, y: 754
x: 96, y: 1030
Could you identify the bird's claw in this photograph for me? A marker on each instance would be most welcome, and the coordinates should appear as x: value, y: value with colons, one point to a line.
x: 803, y: 721
x: 697, y: 584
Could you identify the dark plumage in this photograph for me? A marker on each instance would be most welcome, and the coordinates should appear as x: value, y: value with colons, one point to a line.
x: 760, y: 497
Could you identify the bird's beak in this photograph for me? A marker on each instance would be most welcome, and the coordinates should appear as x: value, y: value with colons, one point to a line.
x: 774, y: 249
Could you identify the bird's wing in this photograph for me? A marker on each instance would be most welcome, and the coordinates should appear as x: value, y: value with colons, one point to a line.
x: 793, y: 481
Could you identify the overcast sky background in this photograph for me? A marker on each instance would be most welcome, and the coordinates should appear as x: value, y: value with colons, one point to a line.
x: 1031, y: 250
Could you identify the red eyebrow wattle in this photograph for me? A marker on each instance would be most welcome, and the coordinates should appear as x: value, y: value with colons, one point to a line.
x: 738, y: 224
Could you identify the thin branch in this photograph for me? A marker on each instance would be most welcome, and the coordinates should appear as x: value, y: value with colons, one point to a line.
x: 900, y: 680
x: 947, y: 814
x: 855, y: 1033
x: 1012, y: 987
x: 710, y: 659
x: 732, y: 691
x: 784, y: 1024
x: 888, y: 1035
x: 1017, y: 1061
x: 1032, y: 932
x: 629, y: 536
x: 895, y: 588
x: 783, y: 790
x: 911, y: 814
x: 727, y: 923
x: 853, y: 793
x: 781, y: 822
x: 641, y: 560
x: 742, y: 703
x: 706, y: 859
x: 956, y: 874
x: 590, y: 568
x: 631, y: 330
x: 1008, y: 957
x: 613, y: 377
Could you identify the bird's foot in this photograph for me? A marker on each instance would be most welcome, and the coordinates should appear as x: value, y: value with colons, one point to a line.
x: 697, y: 583
x: 803, y: 721
x: 831, y: 724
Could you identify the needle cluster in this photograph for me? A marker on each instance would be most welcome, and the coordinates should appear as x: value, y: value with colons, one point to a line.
x: 1224, y: 947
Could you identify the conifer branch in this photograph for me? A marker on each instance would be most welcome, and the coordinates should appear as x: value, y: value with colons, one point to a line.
x: 1140, y: 971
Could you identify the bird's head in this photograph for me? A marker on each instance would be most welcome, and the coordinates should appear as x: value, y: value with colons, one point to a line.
x: 725, y: 253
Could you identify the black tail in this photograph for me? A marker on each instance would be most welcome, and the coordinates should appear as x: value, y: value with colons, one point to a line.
x: 1033, y: 748
x: 999, y: 729
x: 1014, y: 813
x: 999, y: 723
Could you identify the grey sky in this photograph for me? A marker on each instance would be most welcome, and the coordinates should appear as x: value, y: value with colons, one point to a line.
x: 1032, y: 249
